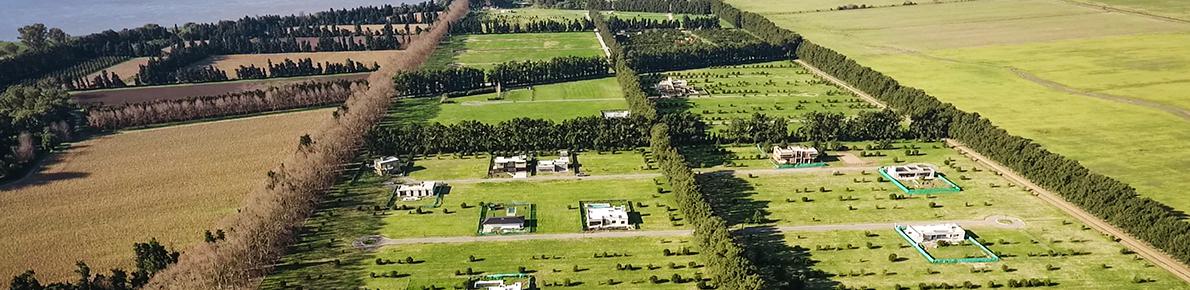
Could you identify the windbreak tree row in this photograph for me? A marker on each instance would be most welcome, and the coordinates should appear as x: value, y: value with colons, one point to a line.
x: 685, y: 22
x: 513, y: 73
x: 659, y: 6
x: 516, y: 135
x: 475, y: 24
x: 332, y: 23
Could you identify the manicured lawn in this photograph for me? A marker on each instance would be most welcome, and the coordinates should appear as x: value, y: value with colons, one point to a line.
x: 555, y: 102
x: 623, y: 162
x: 1019, y: 249
x: 446, y: 167
x: 556, y: 202
x: 485, y: 51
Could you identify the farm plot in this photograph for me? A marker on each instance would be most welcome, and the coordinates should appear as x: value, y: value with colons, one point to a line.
x: 130, y: 95
x: 555, y: 102
x: 127, y: 70
x: 485, y: 51
x: 93, y: 201
x: 230, y: 63
x: 556, y: 203
x: 777, y: 89
x: 1067, y: 254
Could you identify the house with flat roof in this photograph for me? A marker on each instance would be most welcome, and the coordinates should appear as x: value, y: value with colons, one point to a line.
x: 561, y: 164
x: 496, y: 285
x: 418, y: 191
x: 604, y: 216
x: 517, y: 166
x: 931, y: 234
x: 613, y: 114
x: 503, y: 223
x: 671, y: 87
x: 794, y: 155
x: 917, y: 171
x: 388, y: 165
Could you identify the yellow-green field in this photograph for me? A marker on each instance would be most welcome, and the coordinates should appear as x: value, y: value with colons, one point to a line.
x: 1100, y: 86
x: 92, y: 202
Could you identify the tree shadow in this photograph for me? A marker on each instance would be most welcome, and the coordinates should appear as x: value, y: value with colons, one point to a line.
x: 790, y: 267
x: 33, y: 175
x: 730, y: 197
x: 411, y: 111
x: 706, y: 155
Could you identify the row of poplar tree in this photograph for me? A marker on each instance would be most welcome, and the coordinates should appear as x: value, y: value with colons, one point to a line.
x: 433, y: 82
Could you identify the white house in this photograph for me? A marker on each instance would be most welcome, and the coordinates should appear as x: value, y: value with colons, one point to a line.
x: 517, y: 166
x: 603, y: 216
x: 562, y: 164
x: 497, y: 285
x: 794, y: 154
x: 504, y: 223
x: 387, y: 165
x: 931, y: 234
x: 912, y: 172
x: 670, y: 87
x: 612, y: 114
x: 418, y: 191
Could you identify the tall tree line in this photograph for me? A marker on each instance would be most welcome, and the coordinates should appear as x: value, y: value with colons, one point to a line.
x: 32, y: 121
x: 638, y: 23
x: 655, y: 58
x: 638, y: 102
x: 1109, y: 199
x: 660, y: 6
x: 302, y: 67
x: 268, y: 221
x: 516, y: 135
x: 299, y: 95
x: 316, y: 24
x: 512, y: 73
x: 435, y: 82
x: 151, y: 257
x: 50, y: 56
x: 477, y: 24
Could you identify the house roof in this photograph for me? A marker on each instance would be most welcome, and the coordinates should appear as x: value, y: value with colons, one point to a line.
x: 792, y: 149
x: 936, y: 229
x: 600, y: 211
x: 504, y: 220
x: 518, y: 159
x: 386, y: 159
x: 916, y: 167
x: 422, y: 186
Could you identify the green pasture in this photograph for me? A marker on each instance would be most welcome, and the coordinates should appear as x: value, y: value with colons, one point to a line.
x: 485, y: 51
x: 448, y: 167
x: 861, y: 265
x: 623, y: 162
x: 771, y: 7
x: 1169, y: 8
x: 556, y: 102
x: 436, y: 264
x: 556, y: 201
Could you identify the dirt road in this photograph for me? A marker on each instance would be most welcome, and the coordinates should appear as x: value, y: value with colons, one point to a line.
x: 765, y: 171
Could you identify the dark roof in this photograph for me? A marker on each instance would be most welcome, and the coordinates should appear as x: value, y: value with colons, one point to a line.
x: 504, y: 220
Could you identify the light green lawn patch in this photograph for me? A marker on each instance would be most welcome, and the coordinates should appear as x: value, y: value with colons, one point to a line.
x: 767, y: 7
x: 442, y: 260
x: 446, y: 53
x: 446, y: 167
x: 556, y: 102
x: 556, y: 201
x: 596, y: 89
x: 495, y: 112
x: 1168, y: 8
x: 485, y: 51
x: 868, y: 267
x: 622, y: 162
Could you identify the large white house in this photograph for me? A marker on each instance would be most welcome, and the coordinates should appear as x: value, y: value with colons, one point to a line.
x: 916, y: 171
x: 612, y: 114
x: 604, y: 216
x: 387, y: 165
x: 496, y: 285
x: 418, y: 191
x: 670, y: 87
x: 794, y: 154
x: 517, y: 166
x: 562, y: 164
x: 931, y: 234
x: 504, y: 223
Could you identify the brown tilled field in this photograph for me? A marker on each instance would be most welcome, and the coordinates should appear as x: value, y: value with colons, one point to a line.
x: 95, y: 200
x: 145, y: 94
x: 230, y: 63
x: 126, y: 69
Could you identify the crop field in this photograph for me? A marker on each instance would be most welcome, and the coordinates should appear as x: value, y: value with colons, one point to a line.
x: 1016, y: 63
x: 93, y: 201
x: 774, y: 7
x: 777, y: 89
x: 181, y: 91
x: 485, y: 51
x: 554, y: 102
x: 1168, y: 8
x: 127, y: 69
x: 844, y: 216
x: 230, y: 63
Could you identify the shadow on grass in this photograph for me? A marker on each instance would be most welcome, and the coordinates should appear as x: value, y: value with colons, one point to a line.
x: 731, y: 199
x: 410, y: 111
x: 322, y: 257
x: 706, y: 155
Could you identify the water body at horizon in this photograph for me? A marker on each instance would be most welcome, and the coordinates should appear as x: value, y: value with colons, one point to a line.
x: 82, y: 17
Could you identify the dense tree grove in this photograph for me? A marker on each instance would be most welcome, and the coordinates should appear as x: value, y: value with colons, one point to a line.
x: 516, y: 135
x: 32, y: 121
x: 477, y: 24
x: 656, y: 58
x: 660, y: 6
x: 724, y: 256
x: 759, y: 25
x: 549, y: 71
x: 686, y: 22
x: 434, y: 82
x: 1105, y: 197
x: 37, y: 63
x: 325, y: 23
x: 299, y: 95
x: 638, y: 102
x: 151, y: 257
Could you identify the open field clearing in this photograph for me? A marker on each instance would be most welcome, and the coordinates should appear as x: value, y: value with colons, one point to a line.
x: 1167, y: 8
x: 777, y: 89
x: 1046, y: 70
x: 92, y: 202
x: 230, y: 63
x: 965, y: 24
x: 556, y: 102
x: 127, y: 69
x: 770, y: 7
x: 182, y: 91
x: 485, y: 51
x: 864, y: 266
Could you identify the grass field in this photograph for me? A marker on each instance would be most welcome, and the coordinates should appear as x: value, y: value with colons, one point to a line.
x: 485, y: 51
x: 771, y: 7
x: 554, y: 102
x: 93, y: 201
x: 778, y: 89
x: 1045, y: 70
x: 1168, y: 8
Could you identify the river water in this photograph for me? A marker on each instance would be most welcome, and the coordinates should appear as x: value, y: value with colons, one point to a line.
x: 81, y: 17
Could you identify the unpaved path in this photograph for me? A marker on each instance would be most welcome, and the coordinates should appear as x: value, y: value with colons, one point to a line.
x: 606, y: 51
x: 1141, y: 248
x: 484, y: 103
x: 1176, y: 111
x: 380, y: 241
x: 762, y: 171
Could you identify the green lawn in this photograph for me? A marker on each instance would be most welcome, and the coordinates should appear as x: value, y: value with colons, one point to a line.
x: 556, y: 102
x: 446, y: 167
x: 1169, y: 8
x: 485, y: 51
x: 623, y: 162
x: 862, y: 266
